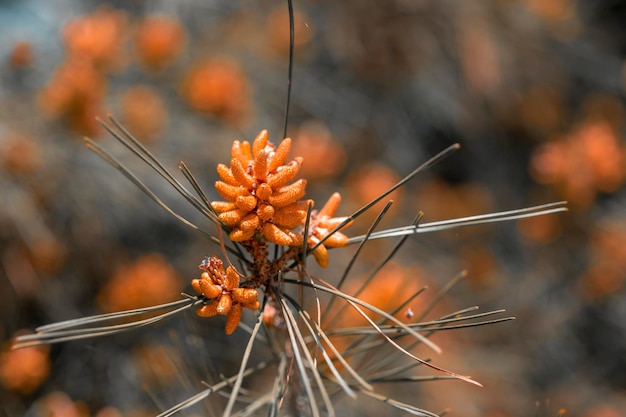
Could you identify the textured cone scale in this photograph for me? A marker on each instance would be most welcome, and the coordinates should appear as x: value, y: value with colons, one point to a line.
x: 280, y: 155
x: 224, y: 303
x: 230, y: 192
x: 246, y: 202
x: 210, y: 290
x: 195, y: 284
x: 208, y: 310
x: 336, y: 240
x: 245, y: 295
x: 233, y: 318
x: 260, y: 142
x: 226, y: 175
x: 250, y: 222
x: 322, y: 223
x: 222, y: 206
x: 265, y: 212
x: 286, y: 174
x: 241, y: 151
x: 260, y: 165
x: 232, y: 279
x: 240, y: 235
x: 232, y: 218
x: 288, y: 194
x: 321, y: 256
x: 274, y: 234
x: 241, y: 176
x: 264, y: 192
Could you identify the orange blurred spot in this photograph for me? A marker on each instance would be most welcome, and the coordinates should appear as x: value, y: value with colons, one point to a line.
x: 218, y: 87
x: 143, y: 111
x: 540, y: 229
x: 325, y: 157
x: 369, y: 182
x: 479, y: 58
x: 20, y: 154
x: 158, y: 41
x: 391, y: 287
x: 48, y: 254
x: 21, y: 55
x: 603, y: 410
x: 607, y: 259
x: 97, y: 37
x: 157, y: 364
x: 59, y: 404
x: 589, y: 160
x: 541, y: 109
x: 551, y: 10
x: 549, y: 163
x: 278, y: 30
x: 23, y: 370
x: 74, y: 93
x: 481, y: 265
x: 440, y: 200
x: 148, y: 281
x: 109, y: 412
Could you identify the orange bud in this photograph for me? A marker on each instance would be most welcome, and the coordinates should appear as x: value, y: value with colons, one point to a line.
x: 226, y: 175
x: 232, y: 279
x: 260, y: 165
x: 288, y: 194
x: 208, y: 310
x: 239, y: 235
x: 250, y: 222
x: 233, y: 318
x: 265, y: 212
x: 289, y: 219
x: 241, y: 151
x: 230, y: 192
x: 222, y: 206
x: 241, y: 176
x: 224, y: 303
x: 195, y: 284
x: 264, y: 192
x: 280, y: 155
x: 321, y: 256
x: 233, y: 217
x: 284, y: 174
x: 274, y: 234
x: 246, y: 202
x: 210, y: 290
x: 336, y: 240
x: 333, y: 222
x: 254, y: 305
x: 331, y: 206
x: 245, y: 295
x: 259, y: 142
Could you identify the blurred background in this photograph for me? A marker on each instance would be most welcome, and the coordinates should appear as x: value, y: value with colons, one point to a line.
x: 533, y: 90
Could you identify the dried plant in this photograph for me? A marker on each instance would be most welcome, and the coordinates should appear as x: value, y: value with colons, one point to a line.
x: 265, y: 231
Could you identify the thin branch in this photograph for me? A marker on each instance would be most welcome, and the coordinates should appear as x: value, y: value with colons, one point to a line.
x: 374, y: 272
x: 356, y: 303
x: 242, y: 368
x: 358, y: 251
x: 438, y: 226
x: 432, y: 161
x: 65, y: 331
x: 212, y: 388
x: 295, y: 337
x: 290, y: 68
x: 399, y: 405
